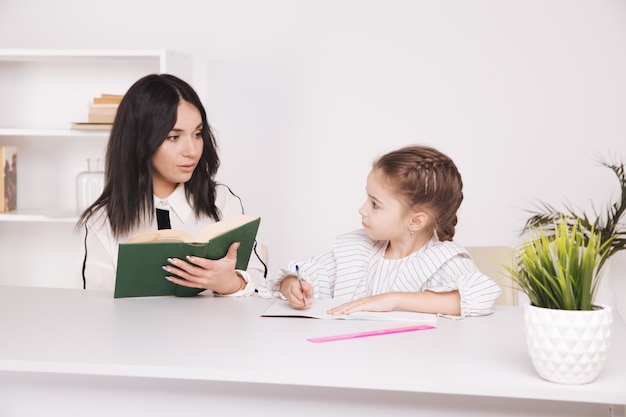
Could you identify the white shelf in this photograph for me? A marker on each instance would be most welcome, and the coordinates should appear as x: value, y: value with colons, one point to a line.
x: 36, y: 215
x: 56, y: 54
x: 168, y: 61
x: 53, y: 132
x: 43, y: 92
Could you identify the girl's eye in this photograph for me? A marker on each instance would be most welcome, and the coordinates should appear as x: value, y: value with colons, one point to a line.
x: 374, y: 205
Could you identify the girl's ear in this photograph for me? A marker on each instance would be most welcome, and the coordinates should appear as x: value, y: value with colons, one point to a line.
x: 418, y: 221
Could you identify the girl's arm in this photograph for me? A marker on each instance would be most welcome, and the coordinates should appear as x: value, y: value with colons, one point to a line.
x: 318, y: 273
x: 447, y: 303
x: 298, y: 298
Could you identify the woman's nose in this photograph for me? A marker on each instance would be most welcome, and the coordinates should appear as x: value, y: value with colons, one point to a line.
x: 189, y: 147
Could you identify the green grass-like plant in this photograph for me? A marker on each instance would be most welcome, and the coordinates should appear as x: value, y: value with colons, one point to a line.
x: 560, y: 269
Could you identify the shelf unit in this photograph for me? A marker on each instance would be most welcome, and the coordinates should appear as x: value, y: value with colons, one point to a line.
x: 43, y: 91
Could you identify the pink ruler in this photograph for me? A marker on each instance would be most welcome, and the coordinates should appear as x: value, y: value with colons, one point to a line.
x: 370, y: 333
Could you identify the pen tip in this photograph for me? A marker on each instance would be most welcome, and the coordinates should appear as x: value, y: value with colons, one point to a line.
x: 297, y: 268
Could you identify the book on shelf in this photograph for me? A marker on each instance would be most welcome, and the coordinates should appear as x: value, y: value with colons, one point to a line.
x: 90, y: 126
x: 102, y: 113
x: 100, y: 118
x: 319, y: 307
x: 102, y: 108
x: 141, y: 259
x: 108, y: 99
x: 8, y: 179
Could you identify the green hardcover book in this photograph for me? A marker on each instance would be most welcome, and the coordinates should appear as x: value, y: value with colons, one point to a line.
x: 141, y: 259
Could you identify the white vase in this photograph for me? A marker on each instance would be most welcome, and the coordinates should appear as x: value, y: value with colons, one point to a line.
x: 89, y: 184
x: 568, y: 346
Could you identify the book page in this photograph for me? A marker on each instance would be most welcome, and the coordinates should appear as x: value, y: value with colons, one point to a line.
x: 318, y: 310
x: 222, y: 226
x: 164, y: 235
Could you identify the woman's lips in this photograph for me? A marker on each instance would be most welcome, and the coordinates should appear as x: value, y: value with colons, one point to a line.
x: 187, y: 167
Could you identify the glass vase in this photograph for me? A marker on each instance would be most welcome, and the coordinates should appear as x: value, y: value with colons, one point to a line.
x: 89, y: 184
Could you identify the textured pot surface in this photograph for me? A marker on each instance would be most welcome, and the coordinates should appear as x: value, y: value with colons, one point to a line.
x: 566, y: 346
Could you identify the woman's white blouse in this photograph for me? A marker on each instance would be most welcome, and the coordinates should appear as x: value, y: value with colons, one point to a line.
x: 356, y: 268
x: 102, y: 246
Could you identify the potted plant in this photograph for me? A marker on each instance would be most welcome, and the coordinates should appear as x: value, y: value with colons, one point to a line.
x: 567, y: 334
x: 606, y: 222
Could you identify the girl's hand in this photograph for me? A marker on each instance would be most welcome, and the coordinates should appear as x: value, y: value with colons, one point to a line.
x: 299, y: 300
x: 379, y: 302
x: 216, y: 275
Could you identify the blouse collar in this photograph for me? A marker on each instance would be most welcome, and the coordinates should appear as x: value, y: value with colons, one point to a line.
x: 175, y: 202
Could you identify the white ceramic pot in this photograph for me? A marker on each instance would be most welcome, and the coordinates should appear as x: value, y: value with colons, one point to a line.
x: 568, y: 346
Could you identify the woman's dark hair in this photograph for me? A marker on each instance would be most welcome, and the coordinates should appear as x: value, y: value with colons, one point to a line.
x: 425, y: 179
x: 144, y: 118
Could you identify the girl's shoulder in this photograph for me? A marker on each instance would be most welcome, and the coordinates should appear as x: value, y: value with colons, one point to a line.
x: 357, y: 238
x: 354, y: 235
x: 446, y: 249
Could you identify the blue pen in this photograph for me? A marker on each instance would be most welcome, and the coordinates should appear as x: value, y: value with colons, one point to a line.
x: 300, y: 282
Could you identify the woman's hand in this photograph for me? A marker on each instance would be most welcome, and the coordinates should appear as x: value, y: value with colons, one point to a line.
x: 216, y: 275
x: 380, y: 302
x: 299, y: 299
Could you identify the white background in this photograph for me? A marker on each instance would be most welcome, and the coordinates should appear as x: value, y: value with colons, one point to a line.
x: 525, y: 96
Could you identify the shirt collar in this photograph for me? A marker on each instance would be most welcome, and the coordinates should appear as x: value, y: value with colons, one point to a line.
x: 175, y: 202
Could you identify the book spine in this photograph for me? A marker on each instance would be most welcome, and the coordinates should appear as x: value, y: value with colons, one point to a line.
x: 8, y: 178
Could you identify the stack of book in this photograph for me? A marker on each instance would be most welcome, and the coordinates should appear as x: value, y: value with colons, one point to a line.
x: 102, y: 112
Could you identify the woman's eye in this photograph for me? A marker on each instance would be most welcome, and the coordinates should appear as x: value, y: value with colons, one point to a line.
x: 198, y: 134
x: 374, y: 205
x: 172, y: 137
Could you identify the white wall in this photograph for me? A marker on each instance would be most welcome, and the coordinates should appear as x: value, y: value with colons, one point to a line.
x: 303, y: 95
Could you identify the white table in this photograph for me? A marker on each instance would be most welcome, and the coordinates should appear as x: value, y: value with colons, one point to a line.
x: 70, y: 352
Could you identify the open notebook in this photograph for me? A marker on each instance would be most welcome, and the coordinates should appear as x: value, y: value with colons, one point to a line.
x: 281, y: 308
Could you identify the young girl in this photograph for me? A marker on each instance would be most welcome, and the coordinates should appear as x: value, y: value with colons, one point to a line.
x: 404, y: 257
x: 162, y: 154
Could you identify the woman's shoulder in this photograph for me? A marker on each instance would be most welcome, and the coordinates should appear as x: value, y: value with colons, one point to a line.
x: 98, y: 223
x: 97, y: 218
x: 227, y: 201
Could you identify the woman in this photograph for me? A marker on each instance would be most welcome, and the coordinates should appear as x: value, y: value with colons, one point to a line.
x: 162, y: 155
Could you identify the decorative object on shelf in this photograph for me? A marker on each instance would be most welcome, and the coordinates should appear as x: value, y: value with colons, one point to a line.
x: 89, y: 184
x: 8, y: 178
x: 567, y: 334
x: 607, y: 223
